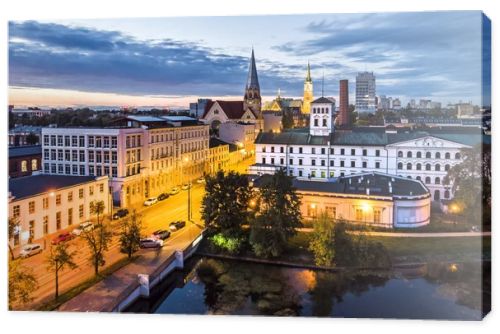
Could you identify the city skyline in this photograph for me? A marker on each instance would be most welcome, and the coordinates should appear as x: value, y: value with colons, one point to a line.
x: 138, y: 62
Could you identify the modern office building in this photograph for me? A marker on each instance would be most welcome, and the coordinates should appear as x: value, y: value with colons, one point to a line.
x: 365, y: 92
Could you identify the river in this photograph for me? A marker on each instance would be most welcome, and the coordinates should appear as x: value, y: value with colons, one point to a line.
x: 428, y: 291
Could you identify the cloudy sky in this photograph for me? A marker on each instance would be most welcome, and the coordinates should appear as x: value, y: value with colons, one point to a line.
x: 171, y: 61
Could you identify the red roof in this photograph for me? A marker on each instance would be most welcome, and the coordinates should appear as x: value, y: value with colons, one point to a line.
x: 232, y: 109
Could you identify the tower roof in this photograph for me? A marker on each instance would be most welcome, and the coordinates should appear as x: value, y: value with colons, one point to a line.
x: 308, y: 77
x: 253, y: 79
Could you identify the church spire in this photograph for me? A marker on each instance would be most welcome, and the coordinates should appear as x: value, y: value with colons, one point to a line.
x: 253, y: 79
x: 308, y: 77
x: 252, y: 99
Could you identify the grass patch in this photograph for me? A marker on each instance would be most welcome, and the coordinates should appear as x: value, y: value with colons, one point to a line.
x: 73, y: 292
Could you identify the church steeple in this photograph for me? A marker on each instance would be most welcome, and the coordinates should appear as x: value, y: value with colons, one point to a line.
x: 308, y: 92
x: 252, y: 97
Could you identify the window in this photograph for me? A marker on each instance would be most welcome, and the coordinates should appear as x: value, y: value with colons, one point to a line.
x: 282, y: 162
x: 58, y: 220
x: 114, y: 157
x: 457, y: 156
x: 324, y: 122
x: 377, y: 153
x: 359, y: 214
x: 377, y: 164
x: 316, y: 122
x: 264, y: 161
x: 82, y: 156
x: 365, y: 153
x: 70, y: 216
x: 59, y: 140
x: 446, y: 194
x: 91, y: 190
x: 409, y: 154
x: 323, y: 150
x: 291, y: 149
x: 91, y: 141
x: 428, y: 155
x: 300, y: 150
x: 45, y: 203
x: 31, y: 207
x: 353, y: 151
x: 313, y: 173
x: 332, y: 163
x: 106, y: 142
x: 427, y: 180
x: 446, y: 167
x: 45, y: 140
x: 364, y: 164
x: 400, y: 154
x: 80, y: 193
x: 332, y: 151
x: 74, y: 141
x: 31, y: 230
x: 80, y: 211
x: 437, y: 180
x: 313, y: 150
x: 114, y: 142
x: 81, y: 140
x: 408, y: 166
x: 447, y: 155
x: 353, y: 164
x: 46, y: 154
x: 342, y: 151
x: 34, y: 164
x: 16, y: 211
x: 300, y: 162
x: 58, y: 199
x: 419, y: 154
x: 272, y: 149
x: 428, y: 167
x: 437, y: 167
x: 419, y: 178
x: 313, y: 162
x: 400, y: 165
x: 376, y: 216
x: 419, y: 166
x: 24, y: 166
x: 438, y: 155
x: 342, y: 163
x: 52, y: 140
x: 282, y: 149
x: 45, y: 225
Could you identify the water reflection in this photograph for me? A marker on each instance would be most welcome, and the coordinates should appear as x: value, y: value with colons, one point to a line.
x: 436, y: 291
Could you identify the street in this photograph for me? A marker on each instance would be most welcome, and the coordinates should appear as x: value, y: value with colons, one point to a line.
x: 155, y: 217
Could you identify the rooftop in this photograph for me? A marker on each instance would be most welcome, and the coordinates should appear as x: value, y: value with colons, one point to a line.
x: 38, y: 184
x: 22, y: 151
x: 379, y: 184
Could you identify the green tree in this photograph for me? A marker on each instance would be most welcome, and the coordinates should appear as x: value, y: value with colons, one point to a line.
x: 22, y: 283
x: 58, y: 259
x: 225, y: 203
x: 13, y: 230
x: 471, y: 182
x: 278, y: 218
x: 99, y: 238
x: 287, y: 119
x: 31, y: 139
x: 322, y: 242
x: 130, y: 235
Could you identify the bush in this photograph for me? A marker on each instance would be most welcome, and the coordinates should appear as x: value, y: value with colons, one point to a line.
x: 228, y: 244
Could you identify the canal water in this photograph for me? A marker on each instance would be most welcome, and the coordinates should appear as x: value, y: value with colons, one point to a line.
x: 430, y: 291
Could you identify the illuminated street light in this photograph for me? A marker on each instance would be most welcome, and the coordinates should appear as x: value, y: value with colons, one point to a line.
x: 313, y: 206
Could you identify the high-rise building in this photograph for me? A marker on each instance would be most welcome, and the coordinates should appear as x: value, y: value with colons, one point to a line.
x: 343, y: 119
x: 365, y: 92
x: 308, y: 92
x: 252, y: 99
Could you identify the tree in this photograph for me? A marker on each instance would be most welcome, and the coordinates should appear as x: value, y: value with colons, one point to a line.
x: 287, y: 119
x: 59, y: 258
x: 471, y: 181
x: 31, y: 139
x: 278, y: 217
x: 322, y: 242
x: 13, y: 230
x: 22, y: 283
x: 130, y: 236
x: 98, y: 239
x: 225, y: 203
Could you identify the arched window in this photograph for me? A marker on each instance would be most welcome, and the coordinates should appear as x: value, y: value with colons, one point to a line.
x: 438, y: 155
x: 419, y: 166
x: 437, y: 180
x: 409, y: 176
x: 427, y: 180
x: 419, y: 154
x: 446, y: 194
x: 400, y: 165
x: 428, y: 155
x: 457, y: 156
x: 324, y: 122
x: 400, y: 154
x: 408, y: 166
x: 316, y: 122
x: 409, y: 154
x: 447, y: 155
x: 428, y: 167
x: 419, y: 178
x: 34, y: 164
x: 437, y: 168
x: 446, y: 167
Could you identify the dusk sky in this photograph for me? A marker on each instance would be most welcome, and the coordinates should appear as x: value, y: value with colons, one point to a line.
x: 172, y: 61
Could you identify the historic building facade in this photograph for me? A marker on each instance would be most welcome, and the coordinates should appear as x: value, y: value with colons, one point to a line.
x: 321, y: 153
x: 24, y: 160
x: 308, y: 92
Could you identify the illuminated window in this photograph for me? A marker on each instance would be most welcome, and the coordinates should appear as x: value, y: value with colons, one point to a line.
x: 58, y: 200
x: 24, y: 166
x: 31, y: 207
x: 80, y: 211
x: 58, y: 220
x: 376, y: 216
x: 45, y: 225
x: 16, y: 211
x: 359, y: 215
x: 34, y: 164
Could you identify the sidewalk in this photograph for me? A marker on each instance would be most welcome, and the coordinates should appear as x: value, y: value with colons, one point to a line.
x: 99, y: 296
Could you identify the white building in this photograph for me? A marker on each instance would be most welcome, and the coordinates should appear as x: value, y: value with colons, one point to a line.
x: 316, y: 155
x: 369, y: 199
x: 144, y: 157
x: 46, y: 204
x: 241, y: 134
x: 365, y: 92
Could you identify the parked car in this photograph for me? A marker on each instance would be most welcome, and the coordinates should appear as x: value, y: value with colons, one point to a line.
x: 186, y: 186
x: 174, y: 191
x: 151, y: 243
x: 30, y: 250
x: 161, y: 234
x: 120, y: 214
x: 163, y: 196
x: 201, y: 180
x: 150, y: 201
x: 175, y: 226
x: 63, y: 237
x: 87, y: 226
